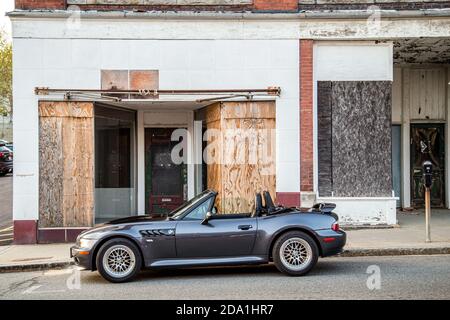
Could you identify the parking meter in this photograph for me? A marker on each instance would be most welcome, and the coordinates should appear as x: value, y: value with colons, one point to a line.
x: 427, y: 173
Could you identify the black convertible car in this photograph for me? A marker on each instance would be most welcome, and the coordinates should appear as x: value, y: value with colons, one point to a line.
x: 196, y: 235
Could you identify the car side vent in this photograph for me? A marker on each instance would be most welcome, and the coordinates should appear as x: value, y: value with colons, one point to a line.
x: 158, y: 233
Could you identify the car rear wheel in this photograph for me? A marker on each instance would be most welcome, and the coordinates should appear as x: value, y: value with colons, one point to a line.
x: 295, y: 253
x: 119, y: 260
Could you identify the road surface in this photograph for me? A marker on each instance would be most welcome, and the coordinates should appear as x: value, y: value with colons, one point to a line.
x: 405, y: 277
x: 6, y: 210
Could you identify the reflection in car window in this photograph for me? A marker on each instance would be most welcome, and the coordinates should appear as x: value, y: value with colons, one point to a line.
x: 199, y: 213
x: 179, y: 212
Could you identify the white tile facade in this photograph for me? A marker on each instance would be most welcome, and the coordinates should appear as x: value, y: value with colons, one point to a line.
x: 182, y: 64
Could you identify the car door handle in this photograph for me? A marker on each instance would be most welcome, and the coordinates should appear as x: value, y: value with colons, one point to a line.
x: 245, y: 227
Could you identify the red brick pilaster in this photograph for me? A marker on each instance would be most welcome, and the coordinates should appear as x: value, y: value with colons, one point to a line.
x: 40, y: 4
x: 306, y: 115
x: 275, y: 5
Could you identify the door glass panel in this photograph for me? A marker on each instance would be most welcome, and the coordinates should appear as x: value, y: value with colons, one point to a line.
x: 199, y: 213
x: 114, y: 164
x: 428, y: 143
x: 165, y: 181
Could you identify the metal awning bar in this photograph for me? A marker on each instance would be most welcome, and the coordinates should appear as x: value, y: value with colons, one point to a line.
x: 270, y: 91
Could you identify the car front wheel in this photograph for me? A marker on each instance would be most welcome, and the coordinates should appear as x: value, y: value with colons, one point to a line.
x: 295, y: 253
x: 119, y: 260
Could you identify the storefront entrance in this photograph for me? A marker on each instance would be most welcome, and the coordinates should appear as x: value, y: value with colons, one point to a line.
x: 115, y: 191
x: 165, y: 182
x: 428, y: 143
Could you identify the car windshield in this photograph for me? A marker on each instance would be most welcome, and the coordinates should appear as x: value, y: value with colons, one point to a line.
x: 180, y: 211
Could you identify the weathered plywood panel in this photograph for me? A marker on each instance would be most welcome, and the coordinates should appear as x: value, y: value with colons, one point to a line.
x: 246, y: 145
x: 78, y: 181
x: 66, y: 109
x: 427, y: 93
x: 50, y: 172
x: 66, y: 178
x: 361, y: 138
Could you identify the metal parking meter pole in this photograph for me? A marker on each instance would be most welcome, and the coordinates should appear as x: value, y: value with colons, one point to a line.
x: 427, y: 214
x: 427, y: 174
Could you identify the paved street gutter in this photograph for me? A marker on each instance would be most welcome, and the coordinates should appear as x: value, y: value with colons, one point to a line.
x: 356, y: 252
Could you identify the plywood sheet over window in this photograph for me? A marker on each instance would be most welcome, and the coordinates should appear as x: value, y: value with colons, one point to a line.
x: 66, y: 164
x: 354, y: 138
x: 241, y: 153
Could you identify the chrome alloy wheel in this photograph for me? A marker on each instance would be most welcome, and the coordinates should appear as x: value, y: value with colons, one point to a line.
x: 296, y: 254
x: 119, y: 261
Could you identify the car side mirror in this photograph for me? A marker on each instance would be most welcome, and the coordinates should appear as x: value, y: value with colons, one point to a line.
x: 208, y: 217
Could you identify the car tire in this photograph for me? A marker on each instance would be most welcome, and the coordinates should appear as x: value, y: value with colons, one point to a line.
x: 2, y: 174
x: 118, y: 260
x: 295, y: 253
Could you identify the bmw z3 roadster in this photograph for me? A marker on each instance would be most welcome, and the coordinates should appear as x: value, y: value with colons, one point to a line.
x: 196, y: 235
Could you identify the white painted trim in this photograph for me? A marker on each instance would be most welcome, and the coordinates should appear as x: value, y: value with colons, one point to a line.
x: 256, y: 29
x: 405, y: 155
x: 140, y: 163
x: 198, y: 155
x: 191, y: 157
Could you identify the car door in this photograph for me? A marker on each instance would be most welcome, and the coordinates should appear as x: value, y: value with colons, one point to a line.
x: 231, y: 236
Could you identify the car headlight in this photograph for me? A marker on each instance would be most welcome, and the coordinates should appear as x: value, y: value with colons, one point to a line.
x: 87, y: 243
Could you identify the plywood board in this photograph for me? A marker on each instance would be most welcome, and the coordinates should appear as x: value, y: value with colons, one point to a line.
x: 247, y: 133
x: 66, y: 109
x: 66, y: 179
x: 50, y: 172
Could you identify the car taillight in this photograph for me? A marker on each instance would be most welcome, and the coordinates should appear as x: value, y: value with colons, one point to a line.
x: 335, y: 227
x: 1, y: 154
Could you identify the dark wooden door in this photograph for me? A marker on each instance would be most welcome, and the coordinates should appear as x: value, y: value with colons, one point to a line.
x: 428, y: 143
x: 165, y: 181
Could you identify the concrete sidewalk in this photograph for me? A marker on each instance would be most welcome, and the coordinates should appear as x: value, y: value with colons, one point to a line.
x: 30, y: 257
x: 407, y: 239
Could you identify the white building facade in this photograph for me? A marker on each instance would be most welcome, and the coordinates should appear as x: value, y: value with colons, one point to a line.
x: 344, y: 119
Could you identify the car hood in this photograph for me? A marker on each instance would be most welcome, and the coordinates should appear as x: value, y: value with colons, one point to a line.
x: 99, y: 230
x: 135, y: 219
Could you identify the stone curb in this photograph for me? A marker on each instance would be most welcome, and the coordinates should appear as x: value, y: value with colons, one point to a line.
x: 35, y: 266
x: 394, y: 252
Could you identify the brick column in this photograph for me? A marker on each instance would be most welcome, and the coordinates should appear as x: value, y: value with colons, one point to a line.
x: 306, y: 122
x: 275, y: 5
x: 40, y: 4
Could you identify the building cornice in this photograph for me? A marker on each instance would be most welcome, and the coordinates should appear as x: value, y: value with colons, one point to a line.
x: 208, y: 15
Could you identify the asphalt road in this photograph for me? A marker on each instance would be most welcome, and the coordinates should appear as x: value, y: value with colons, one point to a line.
x: 6, y: 201
x: 6, y: 231
x: 406, y: 277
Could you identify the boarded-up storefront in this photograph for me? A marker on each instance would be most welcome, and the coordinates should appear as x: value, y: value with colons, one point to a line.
x: 66, y: 169
x: 240, y: 153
